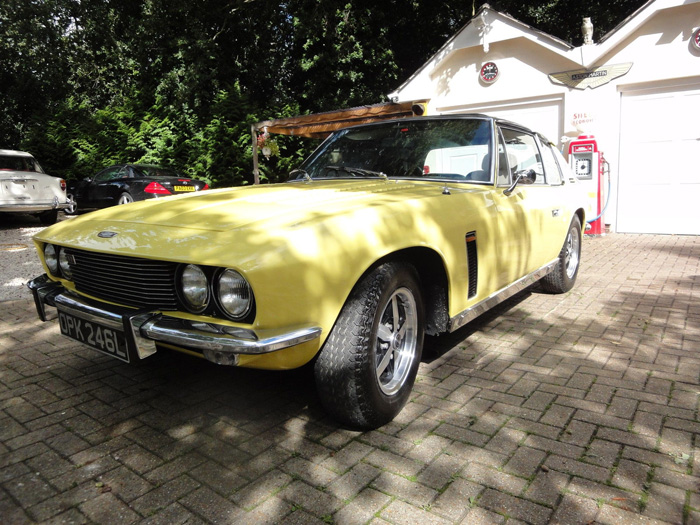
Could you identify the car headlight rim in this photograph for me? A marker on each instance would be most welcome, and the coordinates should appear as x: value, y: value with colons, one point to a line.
x: 51, y: 258
x: 194, y: 288
x: 234, y: 294
x: 64, y: 264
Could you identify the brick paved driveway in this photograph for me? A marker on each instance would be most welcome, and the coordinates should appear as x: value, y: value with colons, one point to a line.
x: 572, y: 409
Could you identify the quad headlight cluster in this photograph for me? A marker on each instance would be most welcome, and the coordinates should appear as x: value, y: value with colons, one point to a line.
x: 200, y: 289
x: 58, y: 261
x: 227, y: 287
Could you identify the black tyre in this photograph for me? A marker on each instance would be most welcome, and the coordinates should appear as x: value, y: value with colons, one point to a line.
x: 72, y: 208
x: 563, y: 278
x: 367, y: 367
x: 125, y: 198
x: 48, y: 217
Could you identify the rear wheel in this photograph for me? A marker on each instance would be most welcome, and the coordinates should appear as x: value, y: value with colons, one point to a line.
x: 72, y: 208
x: 563, y: 278
x: 366, y: 370
x: 125, y: 198
x: 48, y: 217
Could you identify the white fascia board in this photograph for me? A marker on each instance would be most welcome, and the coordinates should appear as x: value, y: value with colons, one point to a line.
x: 498, y: 27
x: 590, y: 55
x: 504, y: 27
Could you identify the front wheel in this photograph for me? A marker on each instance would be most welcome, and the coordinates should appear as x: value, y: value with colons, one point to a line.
x: 367, y: 367
x: 563, y: 277
x: 125, y: 198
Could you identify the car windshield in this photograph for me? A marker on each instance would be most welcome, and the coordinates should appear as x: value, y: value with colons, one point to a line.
x: 19, y: 163
x: 456, y: 149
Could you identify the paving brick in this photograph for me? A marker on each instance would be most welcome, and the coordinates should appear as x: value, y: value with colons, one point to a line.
x: 575, y: 509
x: 106, y: 508
x: 515, y: 507
x: 164, y: 495
x: 457, y: 498
x: 353, y: 481
x: 314, y: 501
x: 602, y: 453
x: 211, y: 506
x: 488, y: 477
x: 362, y: 508
x: 665, y: 503
x: 525, y: 462
x: 550, y: 445
x: 577, y: 468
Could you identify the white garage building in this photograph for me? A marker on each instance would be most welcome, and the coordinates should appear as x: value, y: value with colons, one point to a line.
x: 636, y: 89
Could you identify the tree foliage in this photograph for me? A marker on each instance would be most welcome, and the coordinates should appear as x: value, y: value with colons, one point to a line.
x: 87, y: 83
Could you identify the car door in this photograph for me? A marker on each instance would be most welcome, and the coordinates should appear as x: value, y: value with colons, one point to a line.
x: 107, y: 186
x: 530, y: 217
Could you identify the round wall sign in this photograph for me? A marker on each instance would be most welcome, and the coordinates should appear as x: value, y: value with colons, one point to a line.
x: 695, y: 39
x: 489, y: 72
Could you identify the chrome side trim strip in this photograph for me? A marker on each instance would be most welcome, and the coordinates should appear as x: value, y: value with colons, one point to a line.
x: 459, y: 320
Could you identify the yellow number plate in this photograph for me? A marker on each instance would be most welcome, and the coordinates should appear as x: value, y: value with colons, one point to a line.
x: 185, y: 188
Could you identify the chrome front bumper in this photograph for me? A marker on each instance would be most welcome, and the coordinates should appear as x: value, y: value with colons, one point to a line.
x: 221, y: 344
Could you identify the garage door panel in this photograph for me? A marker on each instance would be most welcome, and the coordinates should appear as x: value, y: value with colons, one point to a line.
x: 543, y: 116
x: 659, y: 183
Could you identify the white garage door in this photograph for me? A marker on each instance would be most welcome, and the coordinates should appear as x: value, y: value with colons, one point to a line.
x: 659, y: 177
x: 542, y: 115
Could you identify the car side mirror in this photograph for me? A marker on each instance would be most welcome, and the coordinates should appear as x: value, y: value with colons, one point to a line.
x: 521, y: 177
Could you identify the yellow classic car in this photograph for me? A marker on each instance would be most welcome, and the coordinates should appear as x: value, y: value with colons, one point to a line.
x: 389, y: 231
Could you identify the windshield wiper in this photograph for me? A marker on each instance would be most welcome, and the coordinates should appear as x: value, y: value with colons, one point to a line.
x: 358, y: 171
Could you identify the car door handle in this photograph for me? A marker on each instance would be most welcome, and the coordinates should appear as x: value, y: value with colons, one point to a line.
x: 556, y: 212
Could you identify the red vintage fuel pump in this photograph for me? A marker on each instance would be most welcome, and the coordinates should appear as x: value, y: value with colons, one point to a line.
x: 588, y: 164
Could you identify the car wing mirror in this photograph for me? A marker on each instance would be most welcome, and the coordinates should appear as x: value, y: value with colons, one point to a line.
x: 521, y: 177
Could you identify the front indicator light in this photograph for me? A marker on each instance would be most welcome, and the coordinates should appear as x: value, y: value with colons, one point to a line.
x: 234, y: 294
x: 195, y: 288
x: 51, y: 258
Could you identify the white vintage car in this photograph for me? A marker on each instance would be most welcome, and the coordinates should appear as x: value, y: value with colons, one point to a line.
x: 25, y: 188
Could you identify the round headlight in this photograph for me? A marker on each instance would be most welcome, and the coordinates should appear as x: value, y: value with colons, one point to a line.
x: 64, y: 263
x: 51, y: 258
x: 195, y: 288
x: 234, y: 294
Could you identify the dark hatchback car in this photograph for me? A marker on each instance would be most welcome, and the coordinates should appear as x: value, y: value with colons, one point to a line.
x: 125, y: 183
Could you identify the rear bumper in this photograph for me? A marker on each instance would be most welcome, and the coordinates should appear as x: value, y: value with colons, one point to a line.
x: 31, y: 207
x: 221, y: 344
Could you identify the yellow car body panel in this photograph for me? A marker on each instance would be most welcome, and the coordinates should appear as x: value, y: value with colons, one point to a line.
x: 311, y: 242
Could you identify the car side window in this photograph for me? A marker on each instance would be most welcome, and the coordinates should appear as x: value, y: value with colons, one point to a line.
x: 109, y: 174
x: 551, y: 168
x: 504, y: 178
x: 523, y: 153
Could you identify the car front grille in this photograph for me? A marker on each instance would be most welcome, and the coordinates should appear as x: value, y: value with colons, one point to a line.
x: 131, y: 281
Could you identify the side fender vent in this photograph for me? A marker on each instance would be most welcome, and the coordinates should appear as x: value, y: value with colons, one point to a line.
x: 472, y: 263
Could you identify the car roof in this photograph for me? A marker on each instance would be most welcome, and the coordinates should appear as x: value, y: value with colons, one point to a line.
x: 458, y: 116
x: 16, y: 153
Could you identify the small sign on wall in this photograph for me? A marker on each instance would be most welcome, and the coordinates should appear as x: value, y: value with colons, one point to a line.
x: 590, y: 78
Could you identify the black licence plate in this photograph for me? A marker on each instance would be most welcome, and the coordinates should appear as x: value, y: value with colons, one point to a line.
x: 107, y: 340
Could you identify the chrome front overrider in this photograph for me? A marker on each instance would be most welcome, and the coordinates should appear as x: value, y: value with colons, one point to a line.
x: 221, y: 344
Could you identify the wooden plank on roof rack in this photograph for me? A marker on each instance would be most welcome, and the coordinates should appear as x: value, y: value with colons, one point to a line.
x: 319, y: 125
